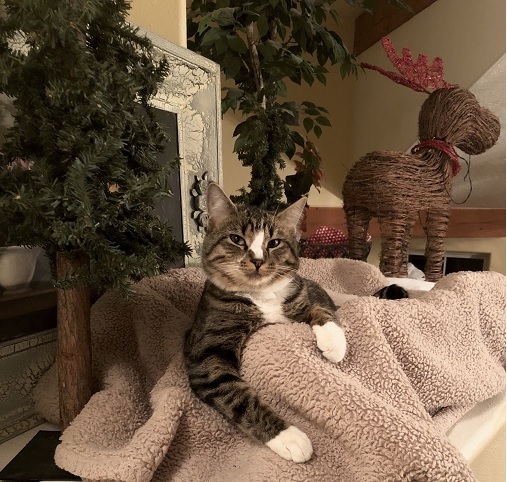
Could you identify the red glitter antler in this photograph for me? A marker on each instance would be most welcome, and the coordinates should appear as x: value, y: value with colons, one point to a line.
x: 419, y: 76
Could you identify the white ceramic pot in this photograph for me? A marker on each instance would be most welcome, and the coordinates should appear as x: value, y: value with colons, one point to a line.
x: 17, y: 266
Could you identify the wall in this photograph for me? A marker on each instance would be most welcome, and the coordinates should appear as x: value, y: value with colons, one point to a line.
x: 468, y: 35
x: 166, y: 18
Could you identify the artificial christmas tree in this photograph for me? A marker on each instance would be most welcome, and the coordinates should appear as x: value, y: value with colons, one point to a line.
x: 78, y: 170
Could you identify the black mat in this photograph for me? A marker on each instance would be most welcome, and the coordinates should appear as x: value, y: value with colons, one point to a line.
x: 36, y: 461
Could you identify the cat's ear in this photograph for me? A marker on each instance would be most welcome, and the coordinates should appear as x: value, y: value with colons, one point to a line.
x: 293, y: 215
x: 220, y: 206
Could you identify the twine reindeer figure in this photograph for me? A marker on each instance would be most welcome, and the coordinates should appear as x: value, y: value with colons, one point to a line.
x: 394, y: 186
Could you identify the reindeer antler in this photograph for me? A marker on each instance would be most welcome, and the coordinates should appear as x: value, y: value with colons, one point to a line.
x: 419, y: 76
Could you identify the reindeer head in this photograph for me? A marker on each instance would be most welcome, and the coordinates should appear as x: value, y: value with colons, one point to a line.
x: 450, y: 114
x: 455, y: 116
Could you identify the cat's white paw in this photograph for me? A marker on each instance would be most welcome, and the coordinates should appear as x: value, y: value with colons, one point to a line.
x: 331, y: 341
x: 292, y: 444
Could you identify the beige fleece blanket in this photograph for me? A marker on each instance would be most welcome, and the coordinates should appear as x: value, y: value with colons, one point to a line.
x: 413, y: 367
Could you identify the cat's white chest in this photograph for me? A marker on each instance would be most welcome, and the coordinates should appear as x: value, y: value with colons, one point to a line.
x: 270, y: 303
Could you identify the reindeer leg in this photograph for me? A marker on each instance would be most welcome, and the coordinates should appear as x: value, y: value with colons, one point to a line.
x: 358, y: 220
x: 405, y: 245
x: 392, y: 227
x: 436, y: 230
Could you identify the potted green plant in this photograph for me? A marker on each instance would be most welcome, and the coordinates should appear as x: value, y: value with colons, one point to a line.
x: 261, y: 46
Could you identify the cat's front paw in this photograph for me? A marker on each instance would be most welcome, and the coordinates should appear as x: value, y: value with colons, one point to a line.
x: 292, y: 444
x: 331, y: 341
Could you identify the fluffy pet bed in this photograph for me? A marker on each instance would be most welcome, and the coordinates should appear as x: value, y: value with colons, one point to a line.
x: 413, y: 367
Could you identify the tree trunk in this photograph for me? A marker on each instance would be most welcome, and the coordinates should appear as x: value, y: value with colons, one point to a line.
x: 74, y: 340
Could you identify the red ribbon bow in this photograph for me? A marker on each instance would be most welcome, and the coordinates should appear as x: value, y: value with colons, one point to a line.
x: 442, y: 146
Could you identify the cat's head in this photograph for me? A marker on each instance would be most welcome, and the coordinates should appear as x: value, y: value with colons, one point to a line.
x: 248, y: 249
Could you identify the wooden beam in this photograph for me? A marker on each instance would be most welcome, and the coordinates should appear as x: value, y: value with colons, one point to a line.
x: 464, y: 222
x: 370, y: 28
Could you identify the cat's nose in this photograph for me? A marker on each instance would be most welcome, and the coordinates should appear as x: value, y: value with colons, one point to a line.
x: 257, y: 263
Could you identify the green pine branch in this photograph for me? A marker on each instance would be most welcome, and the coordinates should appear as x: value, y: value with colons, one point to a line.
x: 79, y: 169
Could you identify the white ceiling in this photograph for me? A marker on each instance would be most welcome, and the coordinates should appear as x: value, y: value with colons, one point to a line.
x: 488, y: 169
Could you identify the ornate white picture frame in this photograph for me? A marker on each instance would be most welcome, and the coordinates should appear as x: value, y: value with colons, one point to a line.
x: 192, y: 92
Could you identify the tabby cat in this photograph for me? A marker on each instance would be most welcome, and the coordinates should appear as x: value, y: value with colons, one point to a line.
x: 250, y: 258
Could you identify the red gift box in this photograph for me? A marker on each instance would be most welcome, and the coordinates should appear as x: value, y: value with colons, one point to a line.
x: 326, y: 236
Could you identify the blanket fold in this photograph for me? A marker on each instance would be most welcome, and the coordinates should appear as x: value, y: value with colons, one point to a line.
x: 413, y: 367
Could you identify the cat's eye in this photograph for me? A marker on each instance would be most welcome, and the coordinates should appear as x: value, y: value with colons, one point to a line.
x: 237, y: 240
x: 273, y: 243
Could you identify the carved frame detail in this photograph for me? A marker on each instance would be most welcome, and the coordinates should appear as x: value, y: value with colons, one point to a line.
x: 192, y: 92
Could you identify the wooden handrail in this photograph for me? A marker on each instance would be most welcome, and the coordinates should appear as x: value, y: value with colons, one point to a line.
x: 370, y: 28
x: 464, y: 222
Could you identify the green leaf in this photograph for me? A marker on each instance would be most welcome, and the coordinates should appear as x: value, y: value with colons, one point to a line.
x: 298, y: 138
x: 231, y: 65
x: 221, y: 46
x: 310, y: 4
x: 281, y: 88
x: 239, y: 128
x: 318, y: 131
x: 203, y: 24
x: 274, y: 44
x: 323, y: 121
x: 269, y: 49
x: 308, y: 124
x: 240, y: 142
x: 236, y: 43
x: 343, y: 70
x: 312, y: 111
x: 322, y: 56
x: 320, y: 16
x: 321, y: 78
x: 224, y: 16
x: 290, y: 106
x: 338, y: 53
x: 284, y: 16
x: 307, y: 73
x: 282, y: 31
x: 290, y: 114
x: 295, y: 59
x: 290, y: 148
x: 226, y: 105
x: 262, y: 25
x: 235, y: 94
x: 210, y: 37
x: 335, y: 16
x: 274, y: 3
x: 245, y: 125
